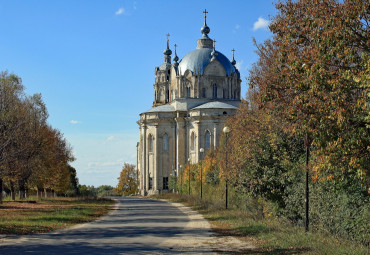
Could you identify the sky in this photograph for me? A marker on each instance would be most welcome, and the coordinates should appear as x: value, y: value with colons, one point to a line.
x: 93, y: 62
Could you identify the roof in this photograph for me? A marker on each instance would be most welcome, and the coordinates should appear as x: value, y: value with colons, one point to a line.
x: 162, y: 108
x: 164, y: 66
x: 199, y: 59
x: 215, y: 105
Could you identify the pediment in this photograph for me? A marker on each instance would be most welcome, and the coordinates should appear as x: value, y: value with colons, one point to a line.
x: 215, y: 68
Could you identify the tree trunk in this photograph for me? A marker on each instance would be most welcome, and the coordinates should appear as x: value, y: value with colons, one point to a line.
x: 40, y: 192
x: 48, y: 193
x: 22, y: 189
x: 12, y: 191
x: 1, y: 191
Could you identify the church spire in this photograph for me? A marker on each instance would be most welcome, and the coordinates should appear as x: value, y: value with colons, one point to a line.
x: 204, y: 41
x: 233, y: 62
x: 167, y: 52
x: 205, y: 17
x: 205, y: 29
x: 175, y: 58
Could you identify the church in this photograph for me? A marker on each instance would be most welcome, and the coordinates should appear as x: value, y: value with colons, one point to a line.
x: 193, y: 97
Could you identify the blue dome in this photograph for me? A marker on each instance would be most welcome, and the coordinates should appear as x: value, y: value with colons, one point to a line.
x: 200, y: 58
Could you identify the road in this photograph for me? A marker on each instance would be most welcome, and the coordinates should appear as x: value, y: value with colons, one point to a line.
x: 135, y: 226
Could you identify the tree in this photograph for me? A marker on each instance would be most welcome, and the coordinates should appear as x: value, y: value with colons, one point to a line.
x: 127, y: 181
x: 313, y: 76
x: 32, y: 153
x: 73, y: 182
x: 263, y: 158
x: 314, y: 73
x: 105, y: 190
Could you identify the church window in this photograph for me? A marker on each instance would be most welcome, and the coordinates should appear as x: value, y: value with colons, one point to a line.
x: 188, y: 92
x: 165, y: 182
x: 203, y: 92
x: 165, y: 142
x: 208, y: 140
x: 150, y: 143
x: 214, y: 90
x: 150, y: 182
x: 167, y: 95
x: 224, y: 93
x: 192, y: 141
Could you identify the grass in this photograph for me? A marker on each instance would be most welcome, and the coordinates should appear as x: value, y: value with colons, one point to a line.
x: 48, y: 214
x: 271, y: 235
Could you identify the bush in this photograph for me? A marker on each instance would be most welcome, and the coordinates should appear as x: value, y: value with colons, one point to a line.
x: 343, y: 213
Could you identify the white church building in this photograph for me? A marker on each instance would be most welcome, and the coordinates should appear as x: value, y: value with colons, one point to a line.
x: 193, y: 98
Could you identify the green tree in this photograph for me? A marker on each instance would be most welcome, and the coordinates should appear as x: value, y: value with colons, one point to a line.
x: 105, y: 190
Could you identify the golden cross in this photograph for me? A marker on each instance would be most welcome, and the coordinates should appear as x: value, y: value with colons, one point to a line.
x: 205, y: 15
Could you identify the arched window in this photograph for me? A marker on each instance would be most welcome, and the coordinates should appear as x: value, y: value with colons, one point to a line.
x: 192, y: 141
x: 165, y: 142
x: 188, y: 92
x: 208, y: 140
x: 203, y: 92
x: 150, y: 140
x: 224, y: 93
x: 214, y: 90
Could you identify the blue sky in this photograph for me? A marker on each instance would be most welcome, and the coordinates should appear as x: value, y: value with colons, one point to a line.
x: 93, y: 62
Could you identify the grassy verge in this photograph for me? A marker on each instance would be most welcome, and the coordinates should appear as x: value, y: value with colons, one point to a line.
x: 22, y: 217
x: 271, y: 235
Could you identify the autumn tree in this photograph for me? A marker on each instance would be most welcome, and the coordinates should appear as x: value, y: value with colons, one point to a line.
x: 127, y: 181
x: 312, y: 80
x: 314, y: 73
x: 32, y: 153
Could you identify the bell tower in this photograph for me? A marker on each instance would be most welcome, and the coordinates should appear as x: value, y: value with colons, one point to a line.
x: 162, y: 78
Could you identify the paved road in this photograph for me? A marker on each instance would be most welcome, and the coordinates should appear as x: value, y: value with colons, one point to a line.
x: 136, y: 226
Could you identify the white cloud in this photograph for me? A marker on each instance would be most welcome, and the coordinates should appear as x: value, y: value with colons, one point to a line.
x: 236, y: 28
x: 135, y: 5
x: 261, y: 23
x: 239, y: 65
x: 110, y: 138
x: 74, y: 122
x: 120, y: 11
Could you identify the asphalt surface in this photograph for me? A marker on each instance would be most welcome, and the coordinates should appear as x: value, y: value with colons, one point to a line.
x: 135, y: 226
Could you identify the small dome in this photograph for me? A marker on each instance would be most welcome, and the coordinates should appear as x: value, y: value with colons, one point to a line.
x: 199, y: 59
x: 175, y: 58
x: 167, y: 52
x: 233, y: 62
x: 205, y: 30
